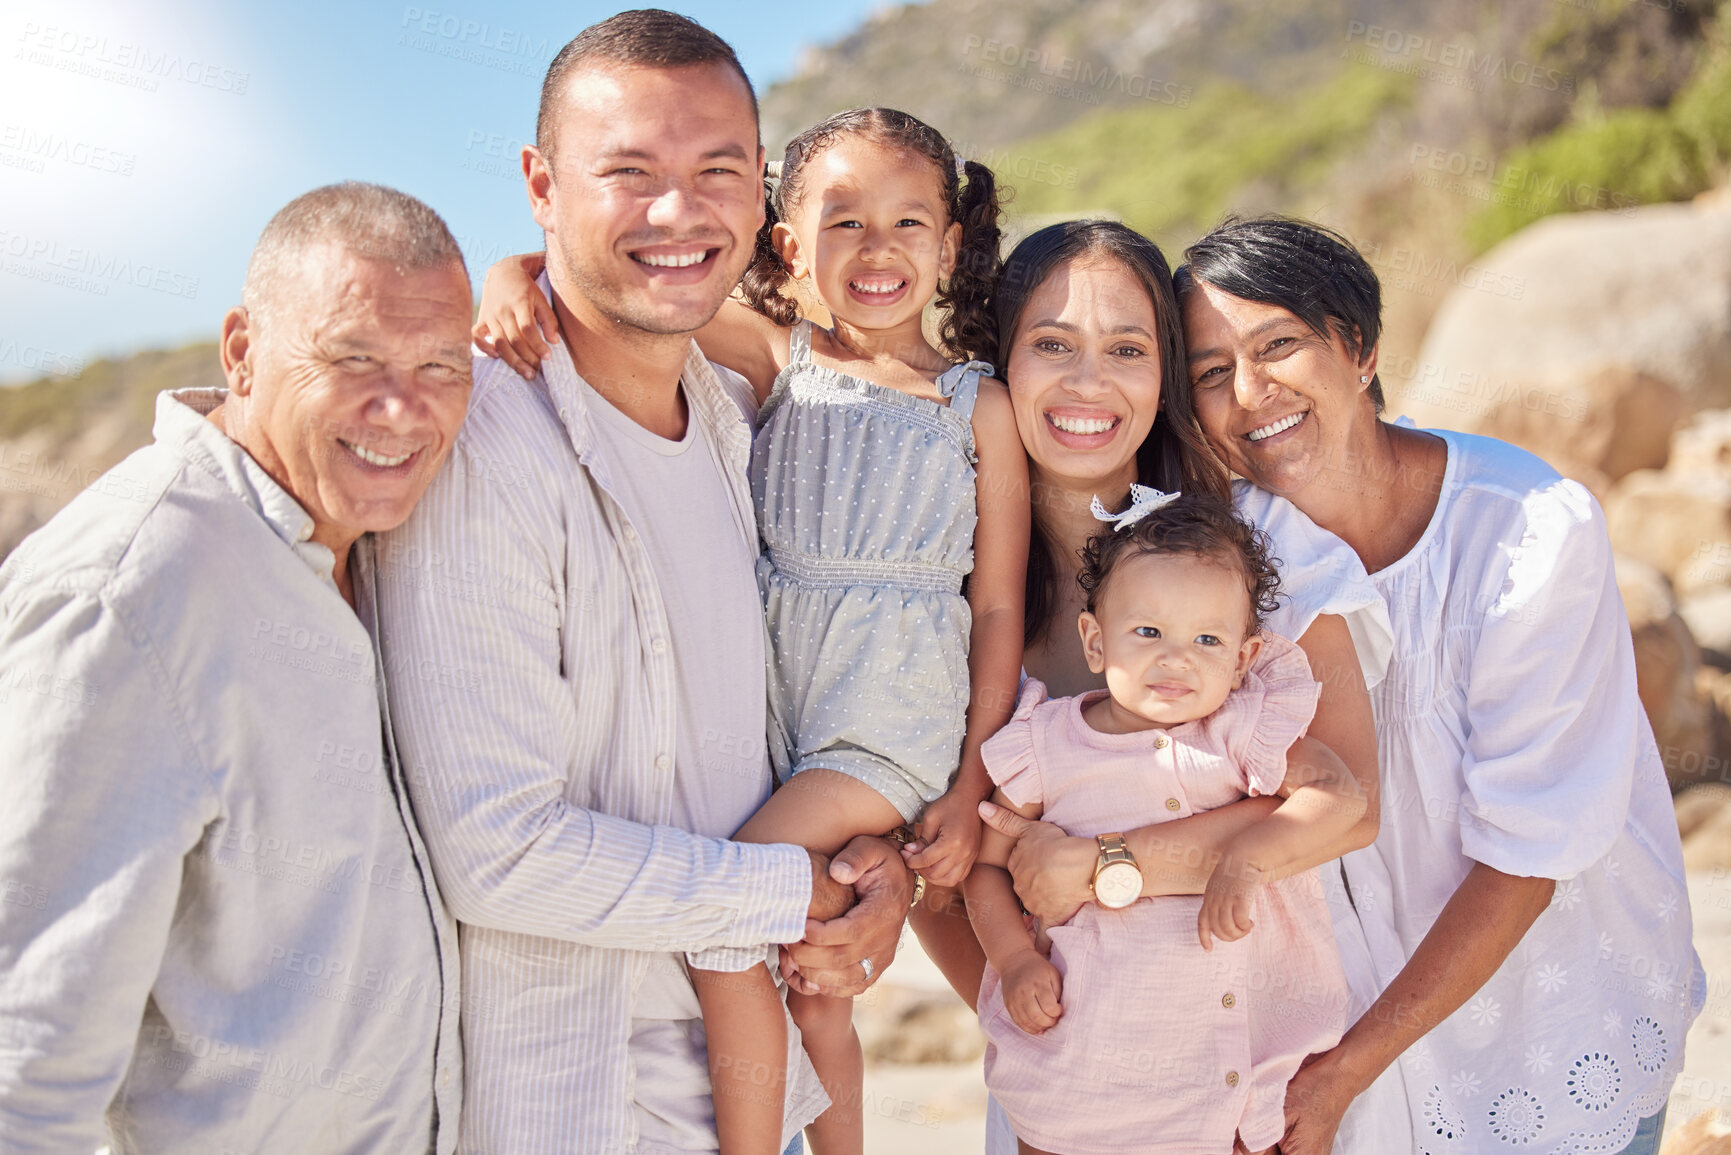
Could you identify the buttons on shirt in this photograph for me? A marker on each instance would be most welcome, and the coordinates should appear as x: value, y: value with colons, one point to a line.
x: 659, y: 645
x: 445, y: 1077
x: 1232, y: 1078
x: 306, y: 533
x: 1161, y: 741
x: 1173, y: 804
x: 630, y: 532
x: 1228, y: 1001
x: 663, y: 762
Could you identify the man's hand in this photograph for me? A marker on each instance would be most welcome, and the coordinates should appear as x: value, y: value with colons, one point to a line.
x: 1053, y: 873
x: 949, y: 839
x: 1032, y: 989
x: 828, y: 960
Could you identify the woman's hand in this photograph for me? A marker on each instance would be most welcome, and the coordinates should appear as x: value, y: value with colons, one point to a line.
x: 1316, y: 1100
x: 949, y: 838
x: 515, y: 321
x: 1032, y: 989
x: 1053, y: 872
x: 1228, y: 900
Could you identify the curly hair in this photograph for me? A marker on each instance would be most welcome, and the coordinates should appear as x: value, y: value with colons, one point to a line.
x: 970, y: 195
x: 1196, y: 525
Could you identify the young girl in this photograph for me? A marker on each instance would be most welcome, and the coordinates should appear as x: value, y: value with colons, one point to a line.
x: 1164, y: 1024
x: 887, y: 474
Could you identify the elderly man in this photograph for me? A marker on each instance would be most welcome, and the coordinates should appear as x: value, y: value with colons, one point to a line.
x: 221, y: 931
x: 585, y: 566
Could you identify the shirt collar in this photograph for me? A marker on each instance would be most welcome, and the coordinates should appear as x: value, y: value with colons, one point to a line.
x: 181, y: 427
x: 704, y: 393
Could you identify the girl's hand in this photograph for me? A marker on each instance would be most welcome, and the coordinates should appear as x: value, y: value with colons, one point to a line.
x: 949, y: 839
x: 1228, y: 901
x: 516, y: 321
x: 1032, y: 989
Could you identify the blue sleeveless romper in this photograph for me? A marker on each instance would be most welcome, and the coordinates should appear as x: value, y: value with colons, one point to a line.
x: 865, y: 504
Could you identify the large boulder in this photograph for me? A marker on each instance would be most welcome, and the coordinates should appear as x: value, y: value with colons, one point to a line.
x: 1702, y: 447
x: 1700, y: 1134
x: 1620, y: 330
x: 1679, y: 520
x: 1707, y: 613
x: 1677, y: 523
x: 1667, y: 662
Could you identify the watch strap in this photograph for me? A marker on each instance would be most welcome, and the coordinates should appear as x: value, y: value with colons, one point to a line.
x: 1113, y: 848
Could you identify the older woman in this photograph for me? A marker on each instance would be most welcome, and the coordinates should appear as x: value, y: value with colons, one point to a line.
x: 1523, y: 906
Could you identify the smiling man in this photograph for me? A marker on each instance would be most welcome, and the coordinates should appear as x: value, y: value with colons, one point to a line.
x: 587, y: 564
x: 220, y: 929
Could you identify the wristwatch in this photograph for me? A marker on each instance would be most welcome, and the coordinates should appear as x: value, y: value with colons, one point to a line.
x: 1117, y: 878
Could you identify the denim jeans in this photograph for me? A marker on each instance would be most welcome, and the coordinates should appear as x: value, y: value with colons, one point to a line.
x: 797, y: 1147
x: 1647, y: 1135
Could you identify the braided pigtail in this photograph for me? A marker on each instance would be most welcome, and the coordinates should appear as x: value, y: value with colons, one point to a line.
x: 967, y: 327
x: 766, y: 275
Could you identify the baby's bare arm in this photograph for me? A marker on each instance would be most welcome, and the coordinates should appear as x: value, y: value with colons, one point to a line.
x: 1321, y: 802
x: 993, y: 908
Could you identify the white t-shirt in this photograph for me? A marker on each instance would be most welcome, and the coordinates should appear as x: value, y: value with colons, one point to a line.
x: 676, y: 496
x: 1510, y: 733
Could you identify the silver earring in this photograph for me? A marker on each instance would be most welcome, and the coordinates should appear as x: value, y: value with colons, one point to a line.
x: 1364, y: 380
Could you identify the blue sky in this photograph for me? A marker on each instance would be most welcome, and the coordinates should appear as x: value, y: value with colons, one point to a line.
x: 143, y: 145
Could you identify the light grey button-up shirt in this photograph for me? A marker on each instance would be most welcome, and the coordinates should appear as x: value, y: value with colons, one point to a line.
x: 538, y: 734
x: 220, y: 931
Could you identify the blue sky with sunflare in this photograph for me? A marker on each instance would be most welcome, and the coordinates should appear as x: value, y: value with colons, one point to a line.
x: 144, y: 145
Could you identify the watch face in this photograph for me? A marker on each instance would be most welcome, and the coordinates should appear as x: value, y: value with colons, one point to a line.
x: 1118, y: 885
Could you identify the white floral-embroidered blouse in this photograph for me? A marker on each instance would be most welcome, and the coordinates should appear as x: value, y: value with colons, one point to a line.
x: 1510, y: 733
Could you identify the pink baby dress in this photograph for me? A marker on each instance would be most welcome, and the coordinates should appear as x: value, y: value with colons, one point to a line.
x: 1162, y: 1046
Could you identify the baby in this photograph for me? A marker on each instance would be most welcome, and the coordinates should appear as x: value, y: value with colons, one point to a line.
x: 1168, y: 1024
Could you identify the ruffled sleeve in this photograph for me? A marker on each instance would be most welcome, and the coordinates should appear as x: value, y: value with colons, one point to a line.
x: 1261, y: 719
x: 1009, y: 754
x: 1319, y: 574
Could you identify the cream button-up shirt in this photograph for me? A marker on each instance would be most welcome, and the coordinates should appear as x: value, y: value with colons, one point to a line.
x: 525, y: 630
x: 220, y: 930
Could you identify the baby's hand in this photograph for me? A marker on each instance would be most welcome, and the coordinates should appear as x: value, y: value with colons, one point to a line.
x: 515, y: 320
x: 1032, y: 988
x: 949, y: 839
x: 1228, y: 901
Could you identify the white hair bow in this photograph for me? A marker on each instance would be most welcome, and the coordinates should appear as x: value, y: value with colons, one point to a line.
x: 1144, y: 500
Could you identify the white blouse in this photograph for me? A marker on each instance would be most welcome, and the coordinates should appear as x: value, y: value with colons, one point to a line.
x: 1510, y: 733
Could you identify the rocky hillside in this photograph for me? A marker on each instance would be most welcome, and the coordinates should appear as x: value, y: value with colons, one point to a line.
x: 59, y: 434
x: 992, y: 72
x: 1427, y: 132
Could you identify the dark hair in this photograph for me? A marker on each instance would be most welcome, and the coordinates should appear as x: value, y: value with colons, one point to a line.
x: 647, y: 37
x: 1196, y: 525
x: 1175, y: 455
x: 1312, y: 272
x: 965, y: 297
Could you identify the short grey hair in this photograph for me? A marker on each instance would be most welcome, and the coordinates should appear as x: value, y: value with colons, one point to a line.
x: 368, y: 220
